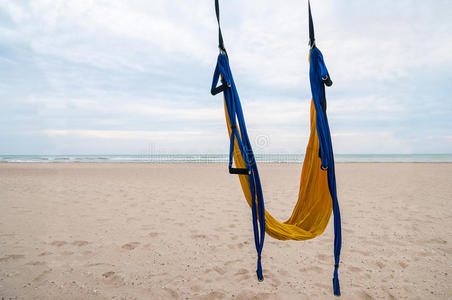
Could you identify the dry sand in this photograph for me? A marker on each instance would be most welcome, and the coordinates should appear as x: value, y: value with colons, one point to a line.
x: 162, y: 231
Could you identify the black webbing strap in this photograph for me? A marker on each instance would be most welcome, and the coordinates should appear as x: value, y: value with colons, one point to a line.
x: 239, y: 171
x: 311, y: 27
x: 218, y: 89
x: 220, y: 36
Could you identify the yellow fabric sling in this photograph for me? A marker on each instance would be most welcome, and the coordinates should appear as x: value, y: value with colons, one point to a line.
x: 314, y: 206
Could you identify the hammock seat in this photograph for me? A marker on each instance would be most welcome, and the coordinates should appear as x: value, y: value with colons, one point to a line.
x: 317, y: 197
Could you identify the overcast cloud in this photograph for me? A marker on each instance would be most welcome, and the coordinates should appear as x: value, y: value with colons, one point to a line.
x: 118, y: 77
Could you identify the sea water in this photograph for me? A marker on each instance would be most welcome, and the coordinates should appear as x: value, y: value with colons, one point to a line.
x: 212, y: 158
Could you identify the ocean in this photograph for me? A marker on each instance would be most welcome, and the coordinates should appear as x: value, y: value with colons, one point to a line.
x: 215, y: 158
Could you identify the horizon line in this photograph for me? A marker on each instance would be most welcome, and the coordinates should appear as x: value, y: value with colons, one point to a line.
x: 197, y: 153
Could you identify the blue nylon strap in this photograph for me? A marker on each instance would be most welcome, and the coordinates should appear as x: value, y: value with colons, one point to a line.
x: 235, y: 114
x: 318, y: 71
x: 226, y: 79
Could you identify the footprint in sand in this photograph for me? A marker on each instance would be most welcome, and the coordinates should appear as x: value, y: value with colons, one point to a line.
x: 7, y: 234
x: 360, y: 252
x: 130, y: 246
x: 36, y: 263
x: 96, y: 264
x: 80, y: 243
x: 437, y: 241
x: 12, y: 256
x: 58, y: 243
x: 323, y: 286
x: 196, y: 288
x: 447, y: 250
x: 210, y: 296
x: 111, y: 278
x: 323, y: 257
x: 242, y: 244
x: 219, y: 270
x: 153, y: 234
x: 172, y: 294
x: 87, y: 253
x: 314, y: 269
x: 391, y: 297
x: 363, y: 296
x: 45, y: 253
x: 355, y: 269
x: 232, y: 262
x: 199, y: 236
x: 147, y: 246
x: 283, y: 273
x: 274, y: 281
x: 374, y: 243
x: 41, y: 276
x: 108, y: 274
x: 247, y: 294
x: 242, y: 274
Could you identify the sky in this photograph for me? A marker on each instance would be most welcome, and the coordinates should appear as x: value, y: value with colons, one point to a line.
x: 133, y: 77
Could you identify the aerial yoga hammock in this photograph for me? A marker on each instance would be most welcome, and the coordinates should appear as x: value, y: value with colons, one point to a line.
x: 317, y: 196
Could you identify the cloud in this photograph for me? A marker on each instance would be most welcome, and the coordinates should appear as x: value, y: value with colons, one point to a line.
x: 122, y: 134
x: 135, y: 71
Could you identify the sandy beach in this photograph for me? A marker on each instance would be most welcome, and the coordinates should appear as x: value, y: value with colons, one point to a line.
x: 183, y: 231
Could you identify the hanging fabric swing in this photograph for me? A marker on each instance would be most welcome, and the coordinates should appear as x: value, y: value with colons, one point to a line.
x: 317, y: 196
